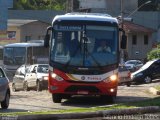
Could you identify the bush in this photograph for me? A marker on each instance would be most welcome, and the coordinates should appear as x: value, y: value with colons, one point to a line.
x: 154, y: 54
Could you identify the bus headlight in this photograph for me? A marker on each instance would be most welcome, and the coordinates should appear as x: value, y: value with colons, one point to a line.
x: 112, y: 78
x: 56, y: 77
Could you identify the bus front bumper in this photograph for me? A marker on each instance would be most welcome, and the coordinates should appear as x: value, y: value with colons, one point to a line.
x: 100, y: 88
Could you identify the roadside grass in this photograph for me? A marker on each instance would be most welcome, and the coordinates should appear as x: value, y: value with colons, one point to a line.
x: 144, y: 103
x: 157, y: 87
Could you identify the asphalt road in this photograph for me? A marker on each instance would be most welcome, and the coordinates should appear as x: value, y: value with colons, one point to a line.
x: 37, y: 101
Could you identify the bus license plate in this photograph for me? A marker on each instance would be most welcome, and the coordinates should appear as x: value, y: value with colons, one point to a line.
x: 82, y: 92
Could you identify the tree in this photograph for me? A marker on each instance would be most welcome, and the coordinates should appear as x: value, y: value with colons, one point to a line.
x: 154, y: 54
x: 39, y: 4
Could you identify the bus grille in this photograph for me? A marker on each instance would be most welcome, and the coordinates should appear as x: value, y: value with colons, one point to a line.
x: 79, y: 82
x: 75, y: 88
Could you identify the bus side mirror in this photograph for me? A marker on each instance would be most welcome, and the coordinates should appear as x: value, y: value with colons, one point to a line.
x: 123, y: 41
x: 47, y: 37
x: 46, y: 40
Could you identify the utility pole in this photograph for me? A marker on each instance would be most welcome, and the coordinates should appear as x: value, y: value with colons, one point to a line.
x: 69, y: 6
x: 121, y: 20
x: 122, y: 23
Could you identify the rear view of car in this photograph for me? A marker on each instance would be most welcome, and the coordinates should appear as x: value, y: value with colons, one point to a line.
x: 18, y: 82
x: 37, y: 77
x: 147, y: 73
x: 4, y: 90
x: 133, y: 65
x: 124, y: 75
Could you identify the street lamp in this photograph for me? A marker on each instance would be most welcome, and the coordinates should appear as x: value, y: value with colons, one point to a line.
x: 122, y: 20
x: 139, y: 8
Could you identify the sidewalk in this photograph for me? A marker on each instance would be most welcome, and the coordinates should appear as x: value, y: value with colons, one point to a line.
x: 98, y: 114
x: 154, y: 91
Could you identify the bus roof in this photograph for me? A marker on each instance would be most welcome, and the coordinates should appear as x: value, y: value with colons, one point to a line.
x: 24, y: 44
x: 86, y: 17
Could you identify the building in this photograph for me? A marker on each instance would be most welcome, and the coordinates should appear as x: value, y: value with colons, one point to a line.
x: 20, y: 30
x: 139, y: 40
x: 26, y: 25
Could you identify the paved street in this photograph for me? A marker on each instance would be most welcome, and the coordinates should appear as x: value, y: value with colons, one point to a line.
x: 37, y: 101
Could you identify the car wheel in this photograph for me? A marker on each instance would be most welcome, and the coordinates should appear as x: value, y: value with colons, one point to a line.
x: 14, y: 88
x: 25, y: 86
x: 128, y: 84
x: 56, y: 98
x: 147, y: 79
x: 38, y: 86
x: 5, y: 103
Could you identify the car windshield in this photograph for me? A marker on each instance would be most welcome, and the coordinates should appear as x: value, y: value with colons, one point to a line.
x: 14, y: 55
x: 131, y: 62
x: 42, y: 69
x: 80, y: 47
x: 146, y: 65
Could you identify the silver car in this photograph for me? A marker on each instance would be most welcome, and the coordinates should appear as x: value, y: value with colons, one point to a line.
x: 19, y: 78
x: 4, y: 90
x: 124, y: 76
x: 133, y: 65
x: 37, y: 77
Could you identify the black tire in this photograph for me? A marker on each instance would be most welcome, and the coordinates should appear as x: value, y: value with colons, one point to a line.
x: 38, y: 86
x: 128, y: 84
x: 56, y: 98
x: 14, y: 88
x: 108, y: 99
x: 5, y: 102
x: 147, y: 79
x: 25, y: 86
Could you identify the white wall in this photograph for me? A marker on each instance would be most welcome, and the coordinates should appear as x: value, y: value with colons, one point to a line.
x: 92, y: 3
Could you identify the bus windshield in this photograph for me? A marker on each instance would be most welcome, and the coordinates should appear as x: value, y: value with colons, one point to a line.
x: 14, y: 56
x: 85, y: 45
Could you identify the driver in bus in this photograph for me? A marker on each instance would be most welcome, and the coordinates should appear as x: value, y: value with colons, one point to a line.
x: 103, y: 47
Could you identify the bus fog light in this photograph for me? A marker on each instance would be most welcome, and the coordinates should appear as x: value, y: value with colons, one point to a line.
x: 112, y: 90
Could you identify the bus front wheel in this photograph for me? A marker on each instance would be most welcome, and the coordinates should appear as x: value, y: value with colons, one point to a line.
x: 108, y: 98
x: 56, y: 98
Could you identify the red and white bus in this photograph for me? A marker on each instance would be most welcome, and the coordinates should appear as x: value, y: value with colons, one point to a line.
x: 76, y: 67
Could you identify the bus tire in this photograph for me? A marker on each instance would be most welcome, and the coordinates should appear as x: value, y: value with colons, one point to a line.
x: 5, y: 102
x: 56, y: 98
x: 108, y: 98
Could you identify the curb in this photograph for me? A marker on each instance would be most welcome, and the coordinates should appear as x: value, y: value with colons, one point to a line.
x: 131, y: 111
x: 154, y: 91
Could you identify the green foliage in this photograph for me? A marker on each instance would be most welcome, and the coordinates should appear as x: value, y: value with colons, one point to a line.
x: 39, y: 4
x: 158, y: 46
x: 143, y: 103
x: 153, y: 54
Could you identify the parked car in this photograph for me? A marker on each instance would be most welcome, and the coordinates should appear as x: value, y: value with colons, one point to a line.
x: 4, y: 90
x: 124, y: 75
x: 147, y: 72
x: 133, y: 65
x: 33, y: 76
x: 19, y: 78
x: 36, y: 77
